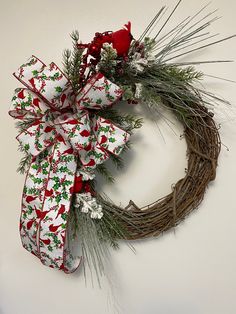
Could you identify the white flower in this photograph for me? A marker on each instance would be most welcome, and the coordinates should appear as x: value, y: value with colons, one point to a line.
x: 96, y: 215
x: 107, y: 46
x: 139, y: 63
x: 88, y: 204
x: 138, y: 90
x: 86, y: 175
x: 85, y: 208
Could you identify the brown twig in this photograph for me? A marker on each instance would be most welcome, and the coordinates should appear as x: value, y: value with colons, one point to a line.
x: 203, y: 148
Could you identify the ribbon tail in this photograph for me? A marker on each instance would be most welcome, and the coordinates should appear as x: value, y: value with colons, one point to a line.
x: 45, y: 208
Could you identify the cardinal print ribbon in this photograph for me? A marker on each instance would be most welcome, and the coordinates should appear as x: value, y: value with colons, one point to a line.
x: 66, y: 140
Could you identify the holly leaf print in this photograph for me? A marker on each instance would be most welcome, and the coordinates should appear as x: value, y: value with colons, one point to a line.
x: 35, y: 73
x: 58, y: 89
x: 98, y: 101
x: 112, y: 140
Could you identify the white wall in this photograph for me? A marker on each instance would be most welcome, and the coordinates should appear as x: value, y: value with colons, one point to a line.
x: 190, y: 271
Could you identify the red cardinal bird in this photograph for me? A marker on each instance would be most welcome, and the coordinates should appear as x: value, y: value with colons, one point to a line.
x: 61, y: 211
x: 46, y: 241
x: 121, y: 40
x: 61, y: 139
x: 49, y: 192
x: 62, y: 267
x: 32, y: 82
x: 73, y: 122
x: 53, y: 228
x: 88, y: 148
x: 103, y: 139
x: 91, y: 163
x: 29, y: 224
x: 68, y: 151
x: 30, y: 198
x: 36, y: 102
x: 85, y: 133
x: 21, y: 94
x: 40, y: 214
x: 48, y: 129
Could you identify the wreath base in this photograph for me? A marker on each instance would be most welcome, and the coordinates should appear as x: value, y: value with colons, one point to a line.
x: 203, y: 148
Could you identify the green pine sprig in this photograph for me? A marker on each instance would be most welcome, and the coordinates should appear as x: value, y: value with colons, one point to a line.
x: 103, y: 171
x: 72, y: 60
x: 24, y: 163
x: 96, y: 237
x: 128, y: 122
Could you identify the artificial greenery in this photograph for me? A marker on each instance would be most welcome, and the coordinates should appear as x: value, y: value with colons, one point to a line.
x: 72, y: 60
x: 96, y: 237
x: 148, y: 74
x: 26, y: 159
x: 24, y: 162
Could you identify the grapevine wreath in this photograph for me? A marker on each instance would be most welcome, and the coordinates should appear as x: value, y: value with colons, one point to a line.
x: 69, y: 127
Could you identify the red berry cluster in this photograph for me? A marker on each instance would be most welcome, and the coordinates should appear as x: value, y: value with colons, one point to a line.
x: 139, y: 47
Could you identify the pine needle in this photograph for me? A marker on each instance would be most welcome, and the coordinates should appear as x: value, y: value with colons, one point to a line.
x: 167, y: 20
x: 202, y: 47
x: 151, y: 24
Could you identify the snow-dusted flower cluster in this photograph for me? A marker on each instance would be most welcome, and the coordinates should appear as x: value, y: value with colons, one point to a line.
x: 108, y: 49
x: 88, y: 204
x: 139, y: 62
x: 86, y: 174
x: 138, y: 90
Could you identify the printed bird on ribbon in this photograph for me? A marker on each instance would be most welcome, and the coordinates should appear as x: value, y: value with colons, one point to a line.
x: 64, y: 132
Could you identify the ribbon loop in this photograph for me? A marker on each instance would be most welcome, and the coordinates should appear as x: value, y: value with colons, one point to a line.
x: 75, y: 128
x: 26, y: 104
x: 98, y: 93
x: 109, y: 136
x: 47, y: 81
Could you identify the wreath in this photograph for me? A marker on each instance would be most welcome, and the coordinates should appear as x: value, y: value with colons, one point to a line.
x: 69, y: 127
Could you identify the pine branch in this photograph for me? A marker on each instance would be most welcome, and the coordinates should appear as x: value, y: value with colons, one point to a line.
x: 24, y: 163
x: 67, y: 62
x: 96, y: 237
x: 76, y: 60
x: 107, y: 64
x: 22, y: 125
x: 72, y: 61
x: 127, y: 122
x: 117, y: 160
x: 102, y: 170
x: 185, y: 75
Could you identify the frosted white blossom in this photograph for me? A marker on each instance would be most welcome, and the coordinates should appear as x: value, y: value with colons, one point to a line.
x: 139, y: 63
x: 86, y: 174
x: 138, y: 90
x: 88, y: 204
x: 108, y: 51
x: 107, y: 46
